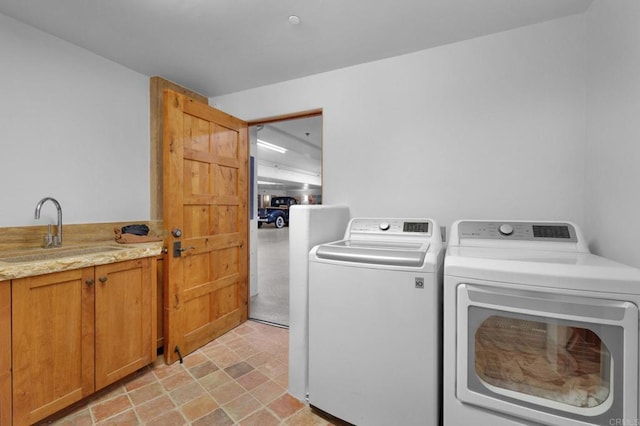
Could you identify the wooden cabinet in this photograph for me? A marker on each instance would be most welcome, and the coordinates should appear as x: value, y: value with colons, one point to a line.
x: 75, y: 332
x: 5, y: 352
x: 125, y: 313
x: 52, y: 332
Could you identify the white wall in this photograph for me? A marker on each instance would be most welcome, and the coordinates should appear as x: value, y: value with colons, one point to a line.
x: 73, y: 126
x: 613, y: 143
x: 492, y: 127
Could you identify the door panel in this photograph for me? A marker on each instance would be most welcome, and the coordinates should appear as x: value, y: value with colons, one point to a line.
x: 205, y: 196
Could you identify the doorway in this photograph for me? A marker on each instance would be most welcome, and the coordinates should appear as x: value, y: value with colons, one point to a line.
x: 287, y: 169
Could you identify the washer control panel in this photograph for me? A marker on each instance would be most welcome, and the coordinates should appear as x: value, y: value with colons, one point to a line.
x: 391, y: 226
x: 520, y: 231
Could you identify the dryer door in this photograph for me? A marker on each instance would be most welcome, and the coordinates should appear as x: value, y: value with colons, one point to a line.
x: 559, y: 359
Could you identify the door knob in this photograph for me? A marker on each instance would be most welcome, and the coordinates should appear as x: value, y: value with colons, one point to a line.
x: 89, y: 281
x: 103, y: 279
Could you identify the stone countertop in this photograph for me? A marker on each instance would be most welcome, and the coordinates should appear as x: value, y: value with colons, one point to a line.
x: 45, y: 261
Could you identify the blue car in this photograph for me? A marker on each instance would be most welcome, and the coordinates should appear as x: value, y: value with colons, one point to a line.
x: 278, y: 213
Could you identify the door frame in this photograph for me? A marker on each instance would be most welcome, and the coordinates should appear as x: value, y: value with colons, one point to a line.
x: 253, y: 239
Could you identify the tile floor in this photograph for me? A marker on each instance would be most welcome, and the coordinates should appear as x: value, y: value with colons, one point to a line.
x: 239, y: 379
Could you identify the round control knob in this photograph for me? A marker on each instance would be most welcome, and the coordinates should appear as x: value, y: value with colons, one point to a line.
x: 506, y: 229
x: 384, y: 226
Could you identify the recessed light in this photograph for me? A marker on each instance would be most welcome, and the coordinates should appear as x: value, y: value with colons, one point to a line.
x: 294, y: 19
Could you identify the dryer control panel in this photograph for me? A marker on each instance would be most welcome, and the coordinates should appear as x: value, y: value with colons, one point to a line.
x: 518, y: 231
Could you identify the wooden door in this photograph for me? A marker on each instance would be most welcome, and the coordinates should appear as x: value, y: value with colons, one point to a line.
x: 53, y: 331
x: 205, y: 194
x: 125, y: 312
x: 160, y: 302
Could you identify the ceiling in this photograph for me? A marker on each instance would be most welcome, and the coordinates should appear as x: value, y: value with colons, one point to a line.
x: 217, y: 47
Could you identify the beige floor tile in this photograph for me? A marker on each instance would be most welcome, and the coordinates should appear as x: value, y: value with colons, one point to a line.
x: 268, y: 391
x: 252, y: 379
x: 227, y: 392
x: 146, y: 393
x: 171, y: 418
x: 179, y: 379
x: 128, y: 418
x: 155, y: 408
x: 187, y: 393
x: 285, y: 406
x: 261, y: 418
x: 214, y: 380
x: 203, y: 369
x: 218, y: 418
x: 242, y: 406
x: 199, y: 407
x: 203, y: 390
x: 111, y: 407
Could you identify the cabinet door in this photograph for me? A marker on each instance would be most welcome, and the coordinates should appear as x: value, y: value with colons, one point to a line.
x: 5, y: 352
x: 53, y: 360
x: 125, y: 313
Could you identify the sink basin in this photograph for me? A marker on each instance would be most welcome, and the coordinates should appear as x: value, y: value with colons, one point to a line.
x: 59, y: 253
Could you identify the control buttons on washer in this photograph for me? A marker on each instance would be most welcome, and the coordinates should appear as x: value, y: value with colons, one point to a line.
x: 384, y: 226
x: 506, y: 229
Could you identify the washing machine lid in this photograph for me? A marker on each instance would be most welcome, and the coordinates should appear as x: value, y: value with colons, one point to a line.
x: 580, y: 271
x: 375, y: 252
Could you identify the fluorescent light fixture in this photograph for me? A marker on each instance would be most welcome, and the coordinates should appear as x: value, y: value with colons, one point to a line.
x: 271, y: 146
x: 264, y: 182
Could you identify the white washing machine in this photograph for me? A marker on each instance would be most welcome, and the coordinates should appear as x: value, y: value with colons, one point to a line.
x: 375, y: 323
x: 536, y: 329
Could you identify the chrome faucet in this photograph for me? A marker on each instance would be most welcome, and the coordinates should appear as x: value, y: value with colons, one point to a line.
x: 51, y: 240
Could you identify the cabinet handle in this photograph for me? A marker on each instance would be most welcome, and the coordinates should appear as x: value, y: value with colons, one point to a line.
x: 103, y: 279
x: 89, y: 281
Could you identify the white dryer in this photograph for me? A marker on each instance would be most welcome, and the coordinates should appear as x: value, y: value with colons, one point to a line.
x: 375, y: 323
x: 536, y: 329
